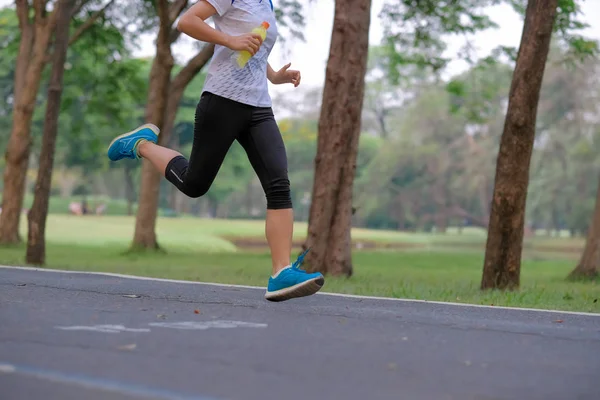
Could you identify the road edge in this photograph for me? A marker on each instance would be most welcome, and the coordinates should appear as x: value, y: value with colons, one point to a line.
x: 351, y: 296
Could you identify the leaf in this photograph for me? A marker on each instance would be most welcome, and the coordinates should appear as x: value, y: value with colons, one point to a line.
x: 132, y: 296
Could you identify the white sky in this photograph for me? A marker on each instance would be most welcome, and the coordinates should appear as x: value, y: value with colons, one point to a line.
x: 310, y: 57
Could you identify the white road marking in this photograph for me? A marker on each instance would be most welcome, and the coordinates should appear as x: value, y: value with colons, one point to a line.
x: 349, y: 296
x: 185, y: 325
x: 97, y: 383
x: 203, y: 325
x: 7, y: 369
x: 103, y: 328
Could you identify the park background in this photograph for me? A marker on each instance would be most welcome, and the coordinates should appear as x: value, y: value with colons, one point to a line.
x: 422, y: 193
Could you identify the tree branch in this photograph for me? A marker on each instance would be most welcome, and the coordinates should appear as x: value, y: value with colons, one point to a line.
x: 23, y: 13
x: 79, y: 7
x: 175, y: 33
x: 164, y: 29
x: 52, y: 19
x: 191, y: 69
x: 176, y: 9
x: 89, y: 22
x: 39, y: 7
x: 162, y: 10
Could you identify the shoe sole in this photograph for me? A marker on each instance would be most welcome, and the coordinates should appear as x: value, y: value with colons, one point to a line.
x: 303, y: 289
x: 152, y: 127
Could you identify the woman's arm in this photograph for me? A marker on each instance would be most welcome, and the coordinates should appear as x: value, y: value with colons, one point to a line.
x: 193, y: 24
x: 271, y: 73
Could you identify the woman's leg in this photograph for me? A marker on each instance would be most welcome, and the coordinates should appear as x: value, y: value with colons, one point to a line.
x: 279, y: 230
x: 218, y: 122
x: 266, y: 151
x: 159, y: 156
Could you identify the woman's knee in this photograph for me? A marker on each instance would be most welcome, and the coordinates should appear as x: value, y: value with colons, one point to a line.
x: 195, y: 188
x: 194, y: 191
x: 178, y: 174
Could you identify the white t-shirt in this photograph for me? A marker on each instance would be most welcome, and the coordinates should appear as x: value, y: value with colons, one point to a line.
x: 224, y: 78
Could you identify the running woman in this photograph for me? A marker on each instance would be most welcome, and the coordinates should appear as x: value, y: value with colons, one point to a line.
x: 235, y: 105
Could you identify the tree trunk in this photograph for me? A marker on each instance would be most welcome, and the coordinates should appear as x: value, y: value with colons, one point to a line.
x: 30, y: 64
x: 144, y: 236
x: 590, y: 259
x: 32, y: 57
x: 339, y: 129
x: 162, y: 111
x: 129, y: 188
x: 36, y: 238
x: 502, y: 265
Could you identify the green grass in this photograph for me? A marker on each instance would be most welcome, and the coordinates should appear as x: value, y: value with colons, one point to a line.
x: 216, y: 235
x: 199, y: 250
x: 60, y: 205
x: 94, y: 231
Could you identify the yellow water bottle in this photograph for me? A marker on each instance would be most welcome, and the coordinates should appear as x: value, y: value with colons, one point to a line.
x: 244, y: 56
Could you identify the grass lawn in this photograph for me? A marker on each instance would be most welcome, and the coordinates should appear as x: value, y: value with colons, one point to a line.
x: 444, y: 267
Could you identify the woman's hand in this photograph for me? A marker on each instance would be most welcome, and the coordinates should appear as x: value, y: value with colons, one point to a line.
x: 249, y: 42
x: 285, y: 75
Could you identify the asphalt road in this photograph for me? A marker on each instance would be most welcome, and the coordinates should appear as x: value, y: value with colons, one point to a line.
x: 83, y: 336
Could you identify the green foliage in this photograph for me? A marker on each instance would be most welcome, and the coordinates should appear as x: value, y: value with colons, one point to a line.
x: 184, y: 122
x: 414, y: 30
x: 567, y: 28
x: 437, y: 166
x: 9, y: 39
x: 9, y: 44
x: 566, y: 165
x: 478, y: 93
x: 104, y: 94
x: 235, y: 173
x: 290, y: 17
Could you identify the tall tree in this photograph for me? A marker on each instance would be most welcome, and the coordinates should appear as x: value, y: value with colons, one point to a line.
x: 339, y: 130
x: 416, y: 41
x: 36, y: 25
x: 502, y: 263
x: 590, y: 259
x: 156, y: 113
x: 36, y: 243
x: 178, y: 86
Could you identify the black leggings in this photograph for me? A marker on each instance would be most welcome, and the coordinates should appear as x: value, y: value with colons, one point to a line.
x: 220, y: 121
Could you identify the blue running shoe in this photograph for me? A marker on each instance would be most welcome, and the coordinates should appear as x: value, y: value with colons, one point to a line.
x: 293, y: 282
x: 125, y: 146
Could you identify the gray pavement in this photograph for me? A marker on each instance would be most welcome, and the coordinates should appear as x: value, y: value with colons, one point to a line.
x: 82, y: 336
